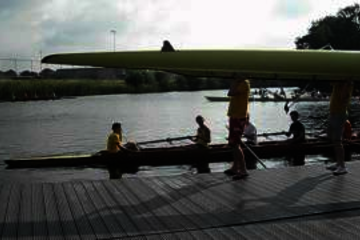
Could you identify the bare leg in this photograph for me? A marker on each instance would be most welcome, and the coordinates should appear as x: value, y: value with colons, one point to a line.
x: 339, y: 155
x: 239, y: 160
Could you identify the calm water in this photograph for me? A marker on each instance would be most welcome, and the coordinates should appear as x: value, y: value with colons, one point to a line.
x: 81, y: 125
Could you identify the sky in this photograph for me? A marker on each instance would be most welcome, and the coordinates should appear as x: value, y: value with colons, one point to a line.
x: 34, y: 28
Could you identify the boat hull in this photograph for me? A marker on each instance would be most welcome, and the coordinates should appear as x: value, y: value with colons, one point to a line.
x: 271, y: 64
x: 184, y: 155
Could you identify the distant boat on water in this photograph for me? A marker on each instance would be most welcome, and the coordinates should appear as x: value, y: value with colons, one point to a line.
x: 268, y: 99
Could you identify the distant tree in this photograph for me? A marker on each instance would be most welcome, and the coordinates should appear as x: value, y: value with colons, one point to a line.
x: 181, y: 82
x: 163, y: 80
x: 135, y: 78
x: 10, y: 74
x: 149, y: 77
x: 341, y: 32
x: 27, y: 73
x: 47, y: 73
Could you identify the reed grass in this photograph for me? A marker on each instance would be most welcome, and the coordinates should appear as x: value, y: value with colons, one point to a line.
x: 47, y: 87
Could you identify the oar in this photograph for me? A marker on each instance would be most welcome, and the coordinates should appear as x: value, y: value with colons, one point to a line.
x: 271, y: 134
x: 257, y: 158
x: 251, y: 151
x: 165, y: 140
x: 288, y: 106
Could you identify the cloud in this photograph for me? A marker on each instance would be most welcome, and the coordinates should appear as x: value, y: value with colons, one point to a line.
x: 84, y: 25
x: 292, y: 9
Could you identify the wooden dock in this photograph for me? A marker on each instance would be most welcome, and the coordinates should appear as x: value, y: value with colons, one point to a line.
x: 288, y: 203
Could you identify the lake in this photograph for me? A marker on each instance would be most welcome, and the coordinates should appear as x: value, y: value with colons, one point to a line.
x: 81, y: 125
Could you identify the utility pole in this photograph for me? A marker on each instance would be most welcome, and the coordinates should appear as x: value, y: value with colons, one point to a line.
x: 114, y: 39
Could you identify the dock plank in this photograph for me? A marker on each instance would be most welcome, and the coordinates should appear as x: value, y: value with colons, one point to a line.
x: 139, y: 201
x: 5, y: 190
x: 116, y: 209
x: 160, y: 207
x: 180, y: 201
x: 39, y: 220
x: 102, y: 211
x: 11, y: 221
x: 289, y: 203
x: 65, y: 216
x: 80, y: 218
x: 52, y: 214
x: 90, y: 212
x: 126, y: 205
x: 25, y: 230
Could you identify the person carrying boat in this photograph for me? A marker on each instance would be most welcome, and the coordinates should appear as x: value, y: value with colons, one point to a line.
x: 339, y: 101
x: 167, y: 47
x: 202, y: 140
x: 297, y: 130
x: 238, y: 109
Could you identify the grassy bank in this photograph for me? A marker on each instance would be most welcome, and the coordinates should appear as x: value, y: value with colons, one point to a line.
x: 18, y: 89
x: 26, y: 89
x: 46, y: 88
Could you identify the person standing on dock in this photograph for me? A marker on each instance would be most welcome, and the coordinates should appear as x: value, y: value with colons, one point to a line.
x: 167, y: 47
x: 238, y: 109
x: 297, y: 130
x: 339, y: 101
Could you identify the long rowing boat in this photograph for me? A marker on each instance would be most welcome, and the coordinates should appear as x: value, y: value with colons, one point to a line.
x: 179, y: 155
x: 271, y: 64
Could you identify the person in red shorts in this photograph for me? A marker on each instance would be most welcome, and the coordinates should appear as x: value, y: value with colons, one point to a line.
x: 347, y: 131
x: 238, y: 109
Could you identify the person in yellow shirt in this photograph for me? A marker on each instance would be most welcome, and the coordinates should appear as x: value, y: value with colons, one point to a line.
x: 238, y: 109
x: 114, y: 145
x: 339, y: 101
x: 114, y: 141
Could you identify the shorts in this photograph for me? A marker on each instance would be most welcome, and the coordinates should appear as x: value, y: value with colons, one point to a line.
x: 236, y: 130
x: 335, y: 128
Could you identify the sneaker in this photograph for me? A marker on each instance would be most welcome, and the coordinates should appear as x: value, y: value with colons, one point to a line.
x: 239, y: 176
x: 332, y: 167
x: 340, y: 171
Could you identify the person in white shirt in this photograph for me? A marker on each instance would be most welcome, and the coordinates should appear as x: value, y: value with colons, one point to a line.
x: 250, y: 132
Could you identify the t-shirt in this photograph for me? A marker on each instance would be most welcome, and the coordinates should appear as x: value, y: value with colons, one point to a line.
x: 340, y: 97
x: 297, y: 129
x: 113, y: 142
x: 250, y: 133
x: 203, y: 134
x: 239, y: 104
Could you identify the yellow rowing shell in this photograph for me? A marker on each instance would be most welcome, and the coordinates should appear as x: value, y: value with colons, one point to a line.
x: 313, y: 65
